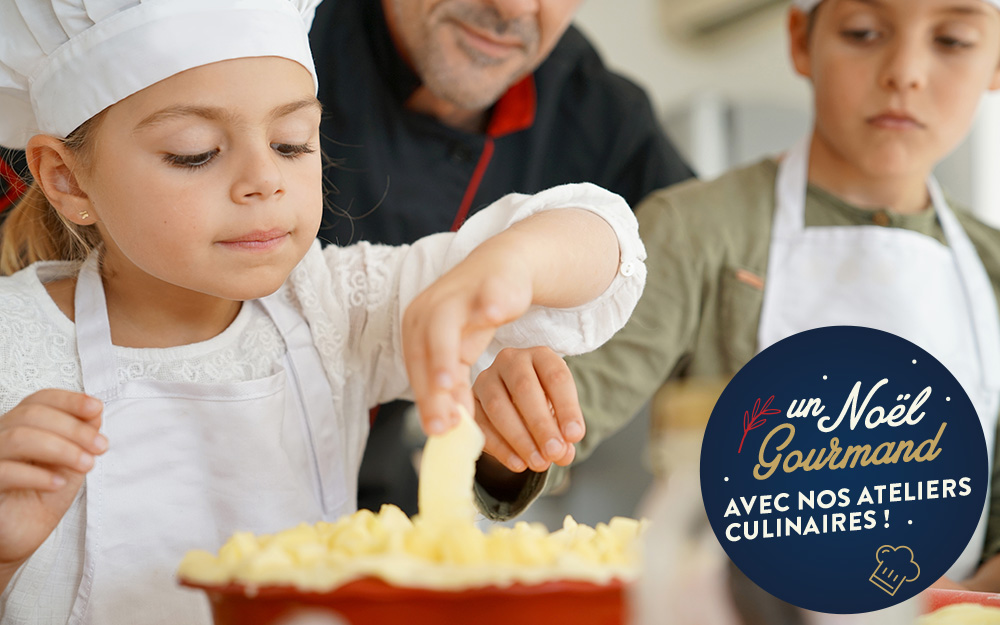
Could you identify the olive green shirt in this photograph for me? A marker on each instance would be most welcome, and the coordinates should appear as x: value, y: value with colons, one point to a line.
x: 707, y: 246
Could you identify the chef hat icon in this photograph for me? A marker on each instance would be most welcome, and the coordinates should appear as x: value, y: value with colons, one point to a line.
x: 895, y: 566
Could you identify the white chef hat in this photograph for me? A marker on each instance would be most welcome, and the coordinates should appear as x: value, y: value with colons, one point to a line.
x: 64, y: 61
x: 809, y: 5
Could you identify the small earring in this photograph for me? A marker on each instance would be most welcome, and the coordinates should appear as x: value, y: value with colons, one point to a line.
x: 84, y: 214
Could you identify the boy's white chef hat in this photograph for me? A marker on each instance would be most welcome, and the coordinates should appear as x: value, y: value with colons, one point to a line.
x: 809, y: 5
x: 64, y: 61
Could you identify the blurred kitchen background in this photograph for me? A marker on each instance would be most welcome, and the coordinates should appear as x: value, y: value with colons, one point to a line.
x: 718, y: 73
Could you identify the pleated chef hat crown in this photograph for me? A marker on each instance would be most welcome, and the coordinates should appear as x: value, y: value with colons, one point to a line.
x: 809, y: 5
x: 64, y: 61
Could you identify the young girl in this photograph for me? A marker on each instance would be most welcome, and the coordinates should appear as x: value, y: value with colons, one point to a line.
x: 184, y: 360
x: 848, y: 227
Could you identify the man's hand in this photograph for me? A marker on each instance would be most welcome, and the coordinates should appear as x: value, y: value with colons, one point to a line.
x: 526, y: 404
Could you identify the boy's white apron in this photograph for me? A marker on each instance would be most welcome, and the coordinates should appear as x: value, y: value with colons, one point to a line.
x: 189, y: 464
x: 891, y: 279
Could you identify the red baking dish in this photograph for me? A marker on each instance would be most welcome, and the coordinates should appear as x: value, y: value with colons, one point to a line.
x: 935, y: 598
x: 371, y: 601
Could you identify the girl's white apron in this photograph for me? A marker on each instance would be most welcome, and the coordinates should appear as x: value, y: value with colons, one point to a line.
x: 189, y: 464
x: 936, y: 296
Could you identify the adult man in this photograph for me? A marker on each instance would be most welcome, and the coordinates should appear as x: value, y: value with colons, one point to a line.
x: 435, y: 108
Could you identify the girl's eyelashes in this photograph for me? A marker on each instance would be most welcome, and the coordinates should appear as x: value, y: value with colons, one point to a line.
x: 953, y: 43
x: 191, y: 161
x: 196, y: 161
x: 291, y: 150
x: 957, y: 34
x: 866, y: 35
x: 860, y: 35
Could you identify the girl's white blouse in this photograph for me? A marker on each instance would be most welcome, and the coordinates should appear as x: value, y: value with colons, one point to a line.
x: 352, y: 297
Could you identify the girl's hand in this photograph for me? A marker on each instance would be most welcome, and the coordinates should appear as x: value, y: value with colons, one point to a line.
x: 47, y: 445
x: 449, y: 325
x: 557, y: 258
x: 527, y: 405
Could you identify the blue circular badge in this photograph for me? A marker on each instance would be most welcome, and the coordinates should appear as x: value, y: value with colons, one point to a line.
x: 844, y: 469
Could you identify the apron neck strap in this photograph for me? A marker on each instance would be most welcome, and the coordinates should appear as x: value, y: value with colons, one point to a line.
x: 284, y: 316
x: 790, y: 190
x: 93, y: 332
x: 792, y: 185
x: 977, y: 286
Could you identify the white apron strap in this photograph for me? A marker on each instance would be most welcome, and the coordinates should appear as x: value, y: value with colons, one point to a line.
x: 324, y: 428
x: 978, y: 289
x: 93, y: 333
x: 793, y: 176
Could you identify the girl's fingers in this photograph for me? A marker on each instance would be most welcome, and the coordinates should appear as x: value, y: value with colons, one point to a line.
x: 431, y: 352
x: 21, y: 476
x: 435, y: 411
x: 45, y: 417
x: 461, y: 393
x: 28, y: 444
x: 417, y: 370
x: 496, y: 446
x: 529, y: 398
x: 442, y: 346
x: 77, y: 404
x: 445, y: 330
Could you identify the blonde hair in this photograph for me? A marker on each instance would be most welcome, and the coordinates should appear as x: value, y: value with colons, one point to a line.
x: 35, y: 231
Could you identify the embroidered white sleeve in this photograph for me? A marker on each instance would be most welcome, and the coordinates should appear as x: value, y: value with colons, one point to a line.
x: 354, y: 296
x: 36, y: 351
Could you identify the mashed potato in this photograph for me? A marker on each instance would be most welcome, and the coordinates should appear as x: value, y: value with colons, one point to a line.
x: 441, y: 548
x: 962, y: 614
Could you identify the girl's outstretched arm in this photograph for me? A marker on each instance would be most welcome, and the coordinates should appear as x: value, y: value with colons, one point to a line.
x: 560, y: 258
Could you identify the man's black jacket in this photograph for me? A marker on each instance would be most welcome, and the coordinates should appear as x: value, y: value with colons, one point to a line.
x: 403, y: 175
